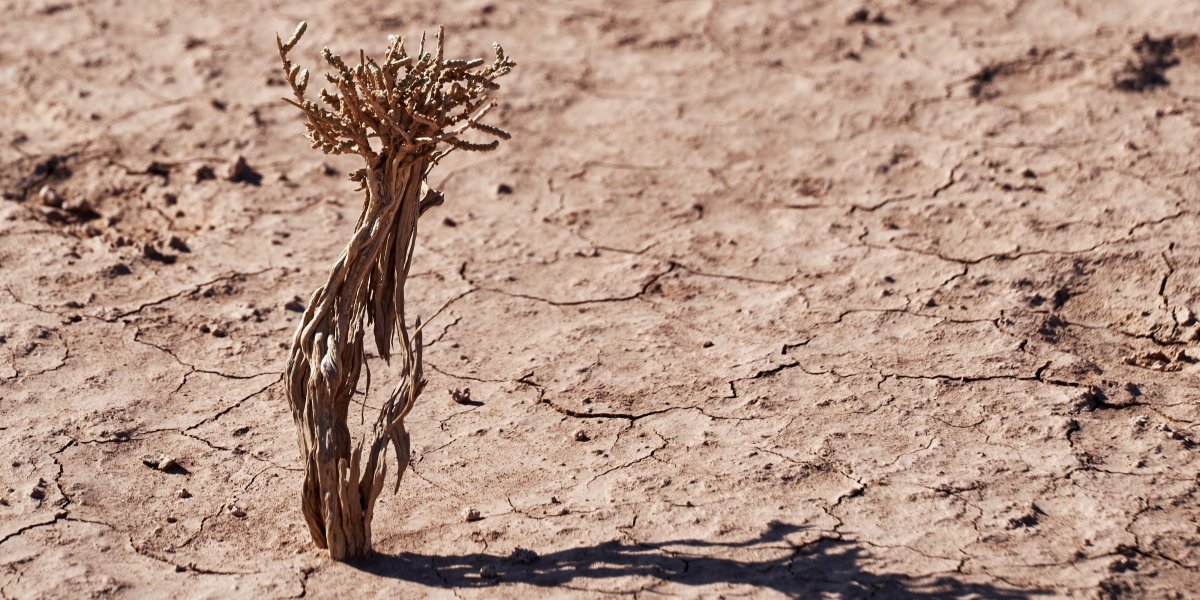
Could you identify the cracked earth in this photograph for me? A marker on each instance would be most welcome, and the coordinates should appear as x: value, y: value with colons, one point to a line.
x: 770, y: 299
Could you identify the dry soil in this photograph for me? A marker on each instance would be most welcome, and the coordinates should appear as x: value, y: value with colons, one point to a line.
x: 764, y: 298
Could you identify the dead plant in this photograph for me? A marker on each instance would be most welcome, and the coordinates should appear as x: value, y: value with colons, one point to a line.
x: 401, y: 116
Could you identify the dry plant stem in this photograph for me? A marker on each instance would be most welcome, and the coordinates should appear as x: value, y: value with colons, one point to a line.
x: 401, y: 116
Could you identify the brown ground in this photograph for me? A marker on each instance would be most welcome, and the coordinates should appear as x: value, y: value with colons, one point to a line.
x: 893, y: 303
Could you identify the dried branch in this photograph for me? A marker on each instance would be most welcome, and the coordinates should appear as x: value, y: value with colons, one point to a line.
x: 400, y: 116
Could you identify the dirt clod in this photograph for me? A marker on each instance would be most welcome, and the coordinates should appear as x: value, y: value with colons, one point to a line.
x: 1152, y: 57
x: 203, y: 173
x: 522, y: 556
x: 152, y: 253
x: 161, y: 462
x: 463, y: 396
x: 176, y: 243
x: 117, y: 270
x: 239, y: 171
x: 38, y: 491
x: 50, y: 197
x: 867, y: 16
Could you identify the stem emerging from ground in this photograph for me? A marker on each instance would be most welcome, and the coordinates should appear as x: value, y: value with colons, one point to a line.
x: 401, y: 116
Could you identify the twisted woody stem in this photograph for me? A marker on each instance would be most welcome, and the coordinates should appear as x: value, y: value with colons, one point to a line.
x: 401, y: 116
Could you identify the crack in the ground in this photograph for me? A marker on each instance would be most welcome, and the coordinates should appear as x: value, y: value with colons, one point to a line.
x: 909, y: 548
x: 1162, y: 287
x: 563, y: 511
x: 1086, y: 467
x: 1036, y: 376
x: 605, y: 248
x: 190, y: 567
x: 305, y: 573
x: 635, y: 461
x: 742, y: 278
x: 1008, y: 255
x: 646, y: 288
x: 928, y: 445
x: 771, y: 372
x: 462, y: 377
x: 199, y: 530
x: 951, y: 179
x: 63, y: 516
x: 237, y: 451
x: 62, y: 361
x: 1138, y: 546
x: 416, y: 473
x: 31, y: 527
x: 445, y: 582
x: 631, y: 417
x: 191, y: 368
x: 445, y: 330
x: 63, y: 512
x: 1151, y: 223
x: 236, y: 404
x: 190, y: 290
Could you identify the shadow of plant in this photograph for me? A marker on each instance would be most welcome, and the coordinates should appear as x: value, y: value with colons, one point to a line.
x: 828, y: 567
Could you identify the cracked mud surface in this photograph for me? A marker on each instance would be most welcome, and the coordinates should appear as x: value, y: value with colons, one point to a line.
x: 771, y: 299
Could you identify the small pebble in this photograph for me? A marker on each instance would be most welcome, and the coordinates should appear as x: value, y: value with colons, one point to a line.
x: 237, y: 168
x: 152, y: 253
x: 204, y: 173
x: 472, y: 515
x: 581, y: 436
x: 117, y: 270
x: 162, y: 462
x: 50, y: 197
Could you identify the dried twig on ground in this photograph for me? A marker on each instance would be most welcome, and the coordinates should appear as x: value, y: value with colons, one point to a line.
x: 401, y: 115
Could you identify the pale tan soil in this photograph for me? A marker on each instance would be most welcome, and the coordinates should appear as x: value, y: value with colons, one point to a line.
x: 897, y: 307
